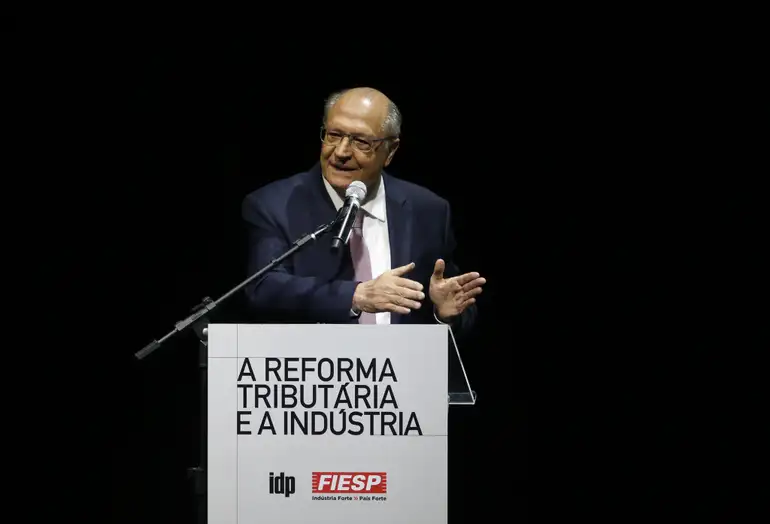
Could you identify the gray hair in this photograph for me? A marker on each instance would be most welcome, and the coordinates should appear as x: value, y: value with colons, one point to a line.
x: 391, y: 126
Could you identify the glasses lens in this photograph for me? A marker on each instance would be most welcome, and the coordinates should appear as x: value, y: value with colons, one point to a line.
x: 361, y: 145
x: 334, y: 138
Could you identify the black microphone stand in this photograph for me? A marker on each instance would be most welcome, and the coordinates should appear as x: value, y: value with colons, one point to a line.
x: 199, y: 322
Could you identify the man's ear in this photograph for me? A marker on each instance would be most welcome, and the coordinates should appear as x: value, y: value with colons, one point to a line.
x: 392, y: 147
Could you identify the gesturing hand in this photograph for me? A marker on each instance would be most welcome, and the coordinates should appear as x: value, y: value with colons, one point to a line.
x: 452, y: 296
x: 389, y: 292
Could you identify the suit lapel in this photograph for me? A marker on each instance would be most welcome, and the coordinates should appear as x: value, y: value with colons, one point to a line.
x: 399, y: 223
x: 320, y: 210
x: 322, y: 206
x: 399, y: 226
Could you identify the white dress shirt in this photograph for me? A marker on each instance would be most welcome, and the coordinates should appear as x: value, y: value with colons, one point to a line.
x: 375, y: 232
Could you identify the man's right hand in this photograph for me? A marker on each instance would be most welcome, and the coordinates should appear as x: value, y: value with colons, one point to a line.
x: 389, y: 292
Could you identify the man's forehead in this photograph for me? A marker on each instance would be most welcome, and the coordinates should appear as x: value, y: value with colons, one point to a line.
x: 363, y: 103
x: 361, y: 112
x: 366, y: 96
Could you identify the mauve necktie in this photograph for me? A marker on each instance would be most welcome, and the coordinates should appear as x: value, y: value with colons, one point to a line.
x: 361, y: 262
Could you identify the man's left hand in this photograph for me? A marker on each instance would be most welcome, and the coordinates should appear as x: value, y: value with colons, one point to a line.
x: 452, y: 296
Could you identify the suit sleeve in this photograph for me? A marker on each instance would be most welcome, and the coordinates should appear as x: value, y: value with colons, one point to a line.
x: 302, y: 298
x: 463, y: 323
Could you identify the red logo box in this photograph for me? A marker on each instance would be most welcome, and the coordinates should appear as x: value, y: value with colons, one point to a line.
x: 349, y: 482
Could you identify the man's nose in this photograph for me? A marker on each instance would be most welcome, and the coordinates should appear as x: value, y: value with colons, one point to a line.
x: 343, y: 149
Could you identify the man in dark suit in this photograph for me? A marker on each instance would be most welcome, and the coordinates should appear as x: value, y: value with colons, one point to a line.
x: 398, y: 266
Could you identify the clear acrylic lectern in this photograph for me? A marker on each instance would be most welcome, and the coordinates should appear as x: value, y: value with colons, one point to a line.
x: 460, y: 391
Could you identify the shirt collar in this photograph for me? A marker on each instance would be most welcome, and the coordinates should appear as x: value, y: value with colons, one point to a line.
x: 375, y: 207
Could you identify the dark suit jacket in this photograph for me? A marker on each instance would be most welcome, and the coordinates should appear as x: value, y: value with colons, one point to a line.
x: 316, y: 284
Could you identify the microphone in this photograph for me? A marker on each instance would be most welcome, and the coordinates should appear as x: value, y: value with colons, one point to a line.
x: 354, y: 195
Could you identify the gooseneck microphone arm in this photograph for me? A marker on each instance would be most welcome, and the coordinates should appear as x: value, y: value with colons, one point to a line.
x: 198, y: 322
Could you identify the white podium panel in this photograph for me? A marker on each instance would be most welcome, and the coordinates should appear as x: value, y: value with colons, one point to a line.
x: 327, y: 423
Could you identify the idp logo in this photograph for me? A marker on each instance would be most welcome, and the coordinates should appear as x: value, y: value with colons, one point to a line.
x: 281, y: 484
x: 346, y: 482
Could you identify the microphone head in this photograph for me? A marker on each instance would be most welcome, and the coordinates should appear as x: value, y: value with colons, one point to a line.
x: 356, y: 189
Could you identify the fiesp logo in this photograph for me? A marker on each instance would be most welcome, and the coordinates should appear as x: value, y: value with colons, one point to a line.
x: 348, y: 482
x: 281, y: 484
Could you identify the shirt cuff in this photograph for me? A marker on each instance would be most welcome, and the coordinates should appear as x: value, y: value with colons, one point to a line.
x: 354, y: 312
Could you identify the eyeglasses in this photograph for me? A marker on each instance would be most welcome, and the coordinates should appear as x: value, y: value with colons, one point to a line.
x: 357, y: 142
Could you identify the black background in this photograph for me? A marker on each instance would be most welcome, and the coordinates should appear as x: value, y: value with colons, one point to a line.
x: 582, y: 189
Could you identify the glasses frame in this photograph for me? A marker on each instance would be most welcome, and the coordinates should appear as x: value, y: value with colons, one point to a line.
x: 375, y: 142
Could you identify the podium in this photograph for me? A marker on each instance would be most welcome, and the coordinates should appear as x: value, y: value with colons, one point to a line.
x: 330, y: 423
x: 322, y: 423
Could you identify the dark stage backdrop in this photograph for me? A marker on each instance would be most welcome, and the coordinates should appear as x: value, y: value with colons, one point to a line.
x: 203, y: 127
x: 565, y: 194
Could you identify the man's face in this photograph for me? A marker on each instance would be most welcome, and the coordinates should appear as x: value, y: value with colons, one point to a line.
x: 352, y: 151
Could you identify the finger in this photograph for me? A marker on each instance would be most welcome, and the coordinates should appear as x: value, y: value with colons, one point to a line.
x: 477, y: 283
x: 465, y: 304
x: 401, y: 305
x: 467, y: 277
x: 473, y: 292
x: 410, y: 294
x: 403, y: 270
x: 408, y: 284
x: 438, y: 269
x: 400, y: 301
x: 398, y: 309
